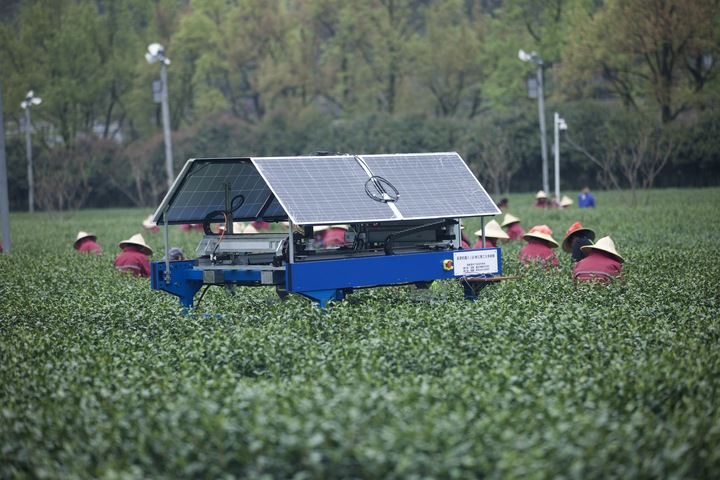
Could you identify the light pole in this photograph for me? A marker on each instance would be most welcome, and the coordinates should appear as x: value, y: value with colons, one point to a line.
x: 29, y: 100
x: 4, y: 201
x: 156, y: 52
x: 525, y: 57
x: 559, y: 125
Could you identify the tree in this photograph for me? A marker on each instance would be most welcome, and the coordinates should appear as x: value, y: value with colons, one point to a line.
x: 664, y: 50
x: 635, y: 152
x: 449, y: 59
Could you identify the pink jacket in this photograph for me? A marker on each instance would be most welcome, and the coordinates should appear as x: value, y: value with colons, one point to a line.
x: 88, y: 245
x: 538, y: 251
x: 133, y: 260
x: 598, y: 267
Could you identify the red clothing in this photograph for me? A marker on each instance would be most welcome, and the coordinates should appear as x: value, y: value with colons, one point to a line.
x: 186, y: 227
x: 333, y: 237
x: 260, y: 225
x: 88, y: 245
x: 597, y: 266
x: 538, y: 251
x: 489, y: 242
x: 132, y: 259
x: 515, y: 231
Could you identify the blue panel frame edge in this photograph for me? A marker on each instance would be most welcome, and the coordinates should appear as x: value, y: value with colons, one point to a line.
x: 323, y: 280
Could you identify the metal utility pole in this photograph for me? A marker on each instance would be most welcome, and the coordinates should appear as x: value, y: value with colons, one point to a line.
x: 541, y: 111
x: 26, y: 104
x: 4, y: 201
x: 156, y: 52
x: 559, y: 125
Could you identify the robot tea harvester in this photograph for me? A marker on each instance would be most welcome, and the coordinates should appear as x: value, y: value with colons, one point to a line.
x: 402, y: 213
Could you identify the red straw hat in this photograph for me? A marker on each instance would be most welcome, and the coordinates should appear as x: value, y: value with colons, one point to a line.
x: 542, y: 232
x: 575, y: 228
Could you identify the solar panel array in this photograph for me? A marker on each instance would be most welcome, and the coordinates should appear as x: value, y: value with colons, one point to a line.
x: 329, y: 189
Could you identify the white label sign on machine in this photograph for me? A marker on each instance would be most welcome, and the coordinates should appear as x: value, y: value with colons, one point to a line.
x: 475, y: 262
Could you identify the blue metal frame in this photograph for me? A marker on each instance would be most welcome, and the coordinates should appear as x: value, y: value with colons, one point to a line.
x: 322, y: 280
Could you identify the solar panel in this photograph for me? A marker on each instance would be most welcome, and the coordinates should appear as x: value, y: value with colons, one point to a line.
x: 206, y: 185
x: 328, y: 189
x: 338, y: 189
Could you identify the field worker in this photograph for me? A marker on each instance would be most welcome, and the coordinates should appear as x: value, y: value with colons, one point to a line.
x: 260, y: 225
x: 175, y: 254
x: 514, y: 230
x: 186, y: 227
x: 464, y: 239
x: 577, y: 237
x: 493, y: 233
x: 134, y: 256
x: 586, y: 199
x: 565, y: 201
x: 503, y: 204
x: 329, y: 235
x: 148, y: 224
x: 541, y: 199
x: 85, y: 243
x: 539, y: 247
x: 602, y: 264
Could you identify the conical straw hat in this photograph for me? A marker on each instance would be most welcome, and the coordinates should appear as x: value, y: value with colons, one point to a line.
x: 148, y: 222
x: 493, y: 230
x: 574, y: 229
x: 508, y: 219
x: 138, y: 240
x: 322, y: 228
x: 605, y: 244
x: 82, y: 235
x: 565, y: 201
x: 541, y: 194
x: 542, y: 232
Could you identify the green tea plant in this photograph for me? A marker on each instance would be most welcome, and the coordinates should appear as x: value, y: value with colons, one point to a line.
x: 102, y: 377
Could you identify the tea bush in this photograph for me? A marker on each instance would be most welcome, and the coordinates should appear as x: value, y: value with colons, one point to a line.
x: 102, y: 377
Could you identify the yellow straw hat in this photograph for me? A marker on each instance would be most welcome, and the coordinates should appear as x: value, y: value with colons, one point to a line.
x: 82, y: 235
x: 493, y: 230
x: 508, y: 219
x: 541, y: 194
x: 542, y: 232
x: 565, y: 201
x: 139, y: 241
x: 605, y: 244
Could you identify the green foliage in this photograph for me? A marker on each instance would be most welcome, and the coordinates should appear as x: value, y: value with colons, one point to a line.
x: 102, y: 377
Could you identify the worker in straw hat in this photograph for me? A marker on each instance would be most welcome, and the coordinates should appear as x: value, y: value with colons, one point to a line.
x: 576, y: 237
x: 539, y: 247
x: 148, y: 224
x: 514, y: 229
x: 134, y: 256
x: 602, y: 264
x: 329, y: 235
x: 493, y: 233
x: 86, y: 243
x: 565, y: 202
x: 541, y: 199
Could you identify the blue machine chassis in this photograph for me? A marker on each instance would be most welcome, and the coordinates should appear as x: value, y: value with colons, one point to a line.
x: 322, y: 280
